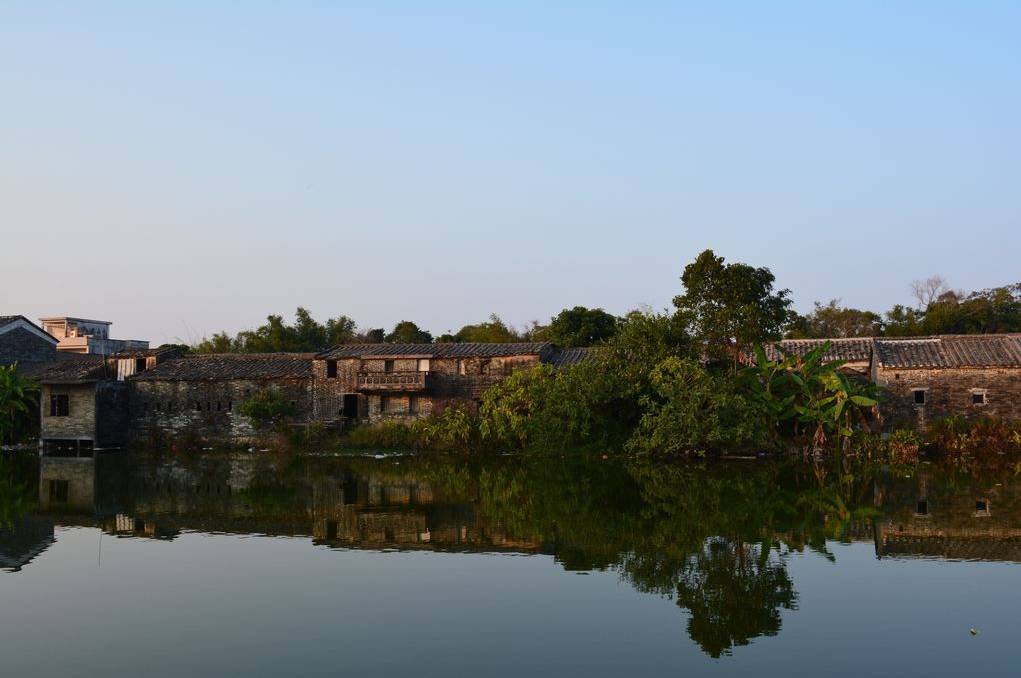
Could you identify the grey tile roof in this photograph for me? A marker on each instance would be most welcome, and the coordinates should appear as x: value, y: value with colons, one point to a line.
x: 226, y: 366
x: 565, y: 357
x: 464, y: 350
x: 164, y: 352
x: 975, y: 350
x: 68, y: 369
x: 854, y: 350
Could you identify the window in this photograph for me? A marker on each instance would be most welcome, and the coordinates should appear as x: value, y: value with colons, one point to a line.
x: 59, y: 491
x: 423, y: 364
x: 922, y: 508
x: 919, y: 396
x: 331, y: 369
x: 413, y: 404
x: 198, y: 405
x: 230, y: 405
x: 384, y: 404
x: 139, y: 365
x: 978, y: 397
x: 60, y: 405
x: 388, y: 366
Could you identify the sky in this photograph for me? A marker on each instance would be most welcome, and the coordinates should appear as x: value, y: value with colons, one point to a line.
x: 189, y: 167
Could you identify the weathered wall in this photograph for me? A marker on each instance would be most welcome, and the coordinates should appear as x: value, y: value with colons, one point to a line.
x: 21, y: 346
x: 205, y: 410
x: 80, y: 424
x: 112, y: 414
x: 948, y: 392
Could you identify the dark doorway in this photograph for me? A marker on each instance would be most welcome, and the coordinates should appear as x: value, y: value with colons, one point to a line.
x: 350, y: 409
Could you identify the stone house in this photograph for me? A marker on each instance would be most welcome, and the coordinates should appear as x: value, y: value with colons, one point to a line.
x: 197, y: 396
x: 82, y: 407
x: 371, y: 382
x: 23, y: 342
x: 928, y: 378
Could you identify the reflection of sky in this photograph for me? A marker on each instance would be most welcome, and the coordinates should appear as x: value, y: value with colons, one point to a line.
x: 204, y: 164
x: 216, y: 604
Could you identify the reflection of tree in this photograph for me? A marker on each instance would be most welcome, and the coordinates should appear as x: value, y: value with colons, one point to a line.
x: 734, y: 592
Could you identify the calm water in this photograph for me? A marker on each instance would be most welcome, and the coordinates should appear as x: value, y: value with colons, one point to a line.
x: 280, y: 566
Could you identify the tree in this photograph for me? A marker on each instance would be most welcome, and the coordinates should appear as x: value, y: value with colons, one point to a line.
x: 374, y: 336
x: 306, y: 335
x: 835, y: 321
x: 928, y: 290
x: 729, y: 307
x: 494, y: 331
x: 407, y: 332
x: 18, y: 398
x: 267, y: 407
x: 580, y: 326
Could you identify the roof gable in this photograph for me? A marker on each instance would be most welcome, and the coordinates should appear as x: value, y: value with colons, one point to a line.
x: 12, y: 322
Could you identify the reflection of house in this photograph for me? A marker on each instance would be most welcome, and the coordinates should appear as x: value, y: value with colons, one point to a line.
x: 67, y: 485
x: 21, y: 542
x: 78, y: 335
x: 23, y: 342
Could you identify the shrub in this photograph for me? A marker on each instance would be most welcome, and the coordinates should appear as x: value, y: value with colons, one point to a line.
x: 692, y: 410
x: 267, y: 407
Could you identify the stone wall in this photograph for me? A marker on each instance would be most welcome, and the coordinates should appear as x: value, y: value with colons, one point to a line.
x: 112, y: 409
x: 948, y: 392
x: 21, y: 346
x: 80, y: 423
x: 205, y: 410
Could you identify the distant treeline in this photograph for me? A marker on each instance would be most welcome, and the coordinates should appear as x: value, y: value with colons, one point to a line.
x: 576, y: 326
x: 746, y: 307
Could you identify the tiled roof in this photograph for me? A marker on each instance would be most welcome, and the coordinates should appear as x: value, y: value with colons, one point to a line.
x: 975, y: 350
x: 565, y: 357
x: 465, y: 350
x: 224, y: 366
x: 7, y: 319
x: 854, y: 350
x: 164, y: 352
x: 68, y: 369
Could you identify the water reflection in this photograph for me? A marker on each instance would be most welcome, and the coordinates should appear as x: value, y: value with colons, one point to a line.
x: 716, y: 539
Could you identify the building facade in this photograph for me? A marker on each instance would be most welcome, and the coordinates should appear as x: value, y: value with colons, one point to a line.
x: 80, y: 335
x: 373, y: 382
x: 198, y: 396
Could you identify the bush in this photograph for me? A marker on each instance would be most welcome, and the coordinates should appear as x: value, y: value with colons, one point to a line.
x: 267, y: 408
x: 692, y: 410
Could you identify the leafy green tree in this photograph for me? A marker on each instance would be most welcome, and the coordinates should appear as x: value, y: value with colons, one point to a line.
x: 580, y: 326
x: 267, y: 407
x: 832, y: 321
x: 306, y: 335
x: 19, y: 399
x: 493, y: 331
x: 407, y: 332
x: 374, y: 336
x: 728, y: 308
x: 692, y: 410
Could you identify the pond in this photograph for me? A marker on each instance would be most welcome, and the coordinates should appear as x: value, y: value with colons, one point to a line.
x: 269, y: 565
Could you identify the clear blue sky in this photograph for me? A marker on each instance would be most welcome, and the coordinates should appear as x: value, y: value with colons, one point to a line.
x: 191, y: 167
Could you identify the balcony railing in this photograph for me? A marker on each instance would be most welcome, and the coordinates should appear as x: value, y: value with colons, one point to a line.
x: 393, y: 381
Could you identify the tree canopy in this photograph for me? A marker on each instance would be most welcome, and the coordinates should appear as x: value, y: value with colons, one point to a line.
x: 727, y: 306
x: 580, y: 326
